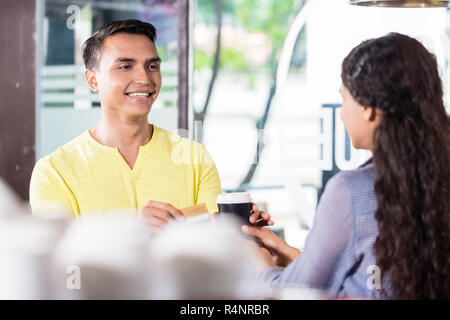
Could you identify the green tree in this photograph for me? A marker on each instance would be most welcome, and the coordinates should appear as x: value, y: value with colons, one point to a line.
x: 271, y: 17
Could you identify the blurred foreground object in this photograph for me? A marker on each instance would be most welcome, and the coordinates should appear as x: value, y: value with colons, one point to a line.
x: 26, y: 247
x: 103, y: 256
x: 10, y: 203
x: 208, y: 259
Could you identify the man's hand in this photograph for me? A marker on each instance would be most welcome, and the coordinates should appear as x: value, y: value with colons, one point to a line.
x: 282, y: 253
x: 259, y: 218
x: 157, y: 214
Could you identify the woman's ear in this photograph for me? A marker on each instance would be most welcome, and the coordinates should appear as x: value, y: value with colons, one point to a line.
x: 370, y: 114
x: 91, y: 78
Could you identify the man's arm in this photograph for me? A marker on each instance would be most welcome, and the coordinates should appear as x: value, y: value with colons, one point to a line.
x: 157, y: 214
x: 49, y: 192
x: 209, y: 182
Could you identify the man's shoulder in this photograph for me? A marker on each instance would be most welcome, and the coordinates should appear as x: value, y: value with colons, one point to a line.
x: 183, y: 149
x: 69, y: 151
x: 175, y: 139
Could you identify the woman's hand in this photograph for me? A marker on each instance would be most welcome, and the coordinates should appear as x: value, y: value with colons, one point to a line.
x: 259, y: 218
x: 282, y: 254
x: 266, y: 259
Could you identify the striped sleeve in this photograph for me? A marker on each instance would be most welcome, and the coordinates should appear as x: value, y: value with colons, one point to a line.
x: 330, y: 235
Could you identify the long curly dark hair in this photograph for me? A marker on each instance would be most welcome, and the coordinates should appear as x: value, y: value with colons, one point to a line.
x: 411, y: 154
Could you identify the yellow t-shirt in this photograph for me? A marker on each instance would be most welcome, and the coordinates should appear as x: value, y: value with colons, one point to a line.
x: 84, y: 176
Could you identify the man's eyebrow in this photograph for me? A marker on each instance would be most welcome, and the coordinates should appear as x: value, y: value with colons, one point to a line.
x: 155, y: 59
x: 126, y: 59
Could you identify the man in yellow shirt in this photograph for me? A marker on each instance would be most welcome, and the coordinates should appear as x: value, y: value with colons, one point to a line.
x: 125, y: 162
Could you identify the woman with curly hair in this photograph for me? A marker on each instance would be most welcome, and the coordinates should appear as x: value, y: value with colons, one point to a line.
x: 383, y: 229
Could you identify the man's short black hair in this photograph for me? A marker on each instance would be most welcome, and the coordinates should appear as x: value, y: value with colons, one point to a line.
x: 92, y: 47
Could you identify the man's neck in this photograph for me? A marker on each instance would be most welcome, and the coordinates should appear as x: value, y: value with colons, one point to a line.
x: 124, y: 135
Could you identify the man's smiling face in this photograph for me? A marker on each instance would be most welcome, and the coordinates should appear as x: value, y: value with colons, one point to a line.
x: 128, y: 75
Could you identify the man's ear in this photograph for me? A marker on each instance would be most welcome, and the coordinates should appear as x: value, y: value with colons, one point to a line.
x: 91, y: 78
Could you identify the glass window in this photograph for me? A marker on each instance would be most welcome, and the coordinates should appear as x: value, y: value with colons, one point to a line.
x: 302, y: 141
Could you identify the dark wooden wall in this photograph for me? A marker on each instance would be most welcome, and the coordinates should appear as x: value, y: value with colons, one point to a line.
x: 17, y: 93
x: 184, y: 62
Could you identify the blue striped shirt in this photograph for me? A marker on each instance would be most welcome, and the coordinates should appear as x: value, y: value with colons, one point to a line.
x: 338, y: 255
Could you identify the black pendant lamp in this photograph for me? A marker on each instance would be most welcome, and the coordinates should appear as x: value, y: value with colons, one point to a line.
x: 402, y: 3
